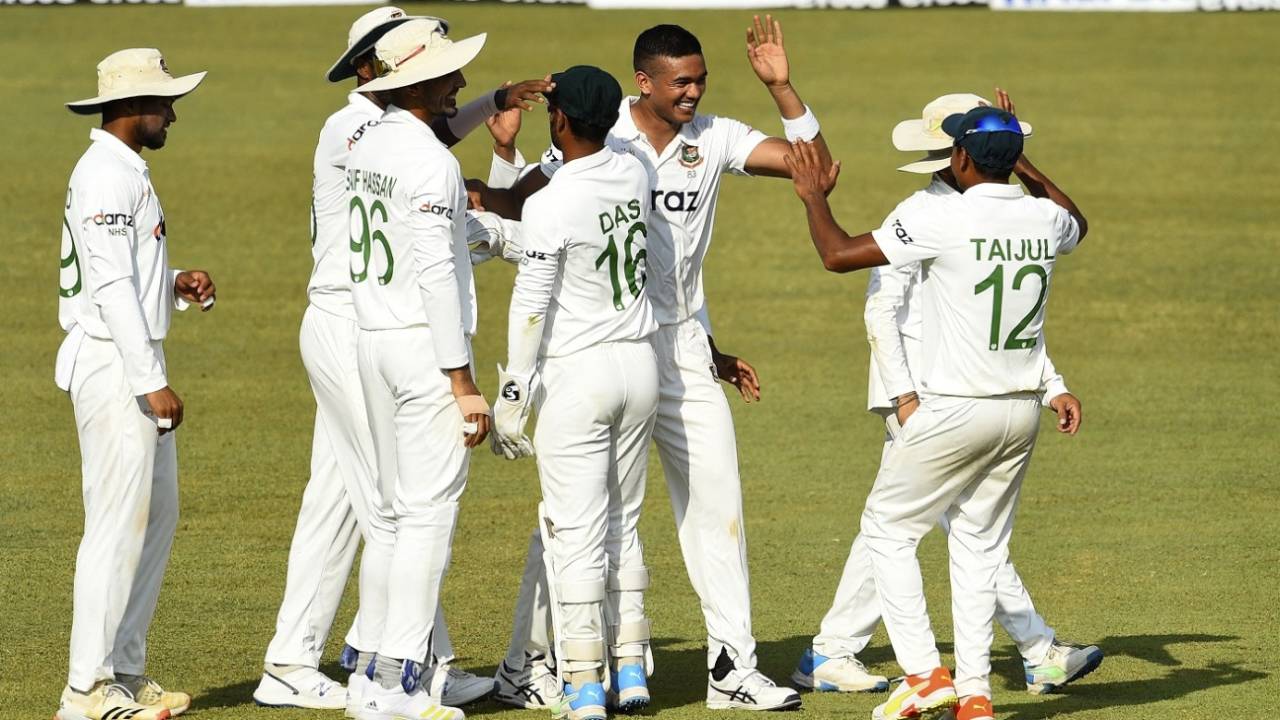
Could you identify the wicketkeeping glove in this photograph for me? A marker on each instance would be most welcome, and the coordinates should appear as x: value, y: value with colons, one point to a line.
x: 510, y: 414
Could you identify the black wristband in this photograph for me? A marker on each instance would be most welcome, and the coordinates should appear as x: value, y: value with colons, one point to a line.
x: 500, y: 98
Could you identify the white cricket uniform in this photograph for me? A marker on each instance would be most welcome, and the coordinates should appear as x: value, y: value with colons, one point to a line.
x: 415, y: 306
x: 987, y: 258
x: 586, y: 238
x: 893, y: 320
x: 116, y: 298
x: 694, y: 428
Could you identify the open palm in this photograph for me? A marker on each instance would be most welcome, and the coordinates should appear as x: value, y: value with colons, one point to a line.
x: 766, y: 52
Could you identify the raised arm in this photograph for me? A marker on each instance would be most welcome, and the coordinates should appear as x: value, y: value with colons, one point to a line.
x: 510, y: 96
x: 507, y: 202
x: 1037, y: 183
x: 768, y: 59
x: 839, y: 251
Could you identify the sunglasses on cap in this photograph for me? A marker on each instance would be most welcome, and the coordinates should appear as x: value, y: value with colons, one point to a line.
x: 993, y: 123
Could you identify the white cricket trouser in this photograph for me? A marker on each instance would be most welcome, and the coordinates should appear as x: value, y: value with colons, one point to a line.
x: 695, y: 438
x: 422, y: 471
x: 849, y: 624
x: 130, y: 488
x: 595, y: 416
x: 965, y: 458
x: 339, y: 498
x: 530, y: 628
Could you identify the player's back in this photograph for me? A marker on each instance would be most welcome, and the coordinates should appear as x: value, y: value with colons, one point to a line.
x: 594, y: 213
x: 985, y: 298
x: 407, y: 207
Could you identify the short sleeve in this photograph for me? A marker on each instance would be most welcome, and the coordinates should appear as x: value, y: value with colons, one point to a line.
x: 739, y: 139
x: 1067, y: 231
x: 911, y: 233
x: 108, y: 206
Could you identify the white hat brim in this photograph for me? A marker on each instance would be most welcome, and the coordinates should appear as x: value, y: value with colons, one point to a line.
x: 175, y: 88
x: 454, y: 58
x: 927, y: 165
x: 910, y: 136
x: 343, y: 69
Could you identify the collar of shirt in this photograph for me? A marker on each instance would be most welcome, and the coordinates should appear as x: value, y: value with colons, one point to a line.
x: 358, y: 98
x: 996, y: 190
x: 117, y: 147
x: 625, y: 129
x: 395, y: 114
x: 938, y: 186
x: 588, y: 162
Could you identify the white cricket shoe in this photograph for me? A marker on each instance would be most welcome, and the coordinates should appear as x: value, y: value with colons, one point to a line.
x: 356, y: 686
x: 533, y: 687
x: 379, y: 703
x: 456, y: 687
x: 835, y: 674
x: 148, y: 692
x: 301, y: 687
x: 1065, y: 663
x: 729, y: 688
x: 106, y: 701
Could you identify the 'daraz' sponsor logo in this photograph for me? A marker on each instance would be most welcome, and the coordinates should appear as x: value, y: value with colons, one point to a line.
x: 115, y: 223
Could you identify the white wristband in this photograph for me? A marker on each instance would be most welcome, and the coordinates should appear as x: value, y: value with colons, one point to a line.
x: 473, y: 114
x: 804, y: 128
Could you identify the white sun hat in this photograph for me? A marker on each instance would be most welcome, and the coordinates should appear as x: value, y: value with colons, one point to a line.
x: 926, y: 132
x: 419, y: 50
x: 367, y: 30
x: 136, y: 72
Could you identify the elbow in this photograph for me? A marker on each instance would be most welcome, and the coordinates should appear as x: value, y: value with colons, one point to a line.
x: 836, y: 264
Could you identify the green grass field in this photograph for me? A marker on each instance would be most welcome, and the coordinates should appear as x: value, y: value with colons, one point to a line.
x: 1152, y: 534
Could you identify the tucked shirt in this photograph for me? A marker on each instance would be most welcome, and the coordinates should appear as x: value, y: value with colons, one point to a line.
x: 113, y: 231
x: 330, y: 286
x: 409, y: 263
x: 586, y: 238
x: 686, y: 177
x: 985, y: 262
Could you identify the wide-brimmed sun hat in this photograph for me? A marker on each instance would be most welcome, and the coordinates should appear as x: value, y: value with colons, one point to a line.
x: 419, y: 50
x: 367, y: 30
x: 925, y: 133
x: 136, y: 72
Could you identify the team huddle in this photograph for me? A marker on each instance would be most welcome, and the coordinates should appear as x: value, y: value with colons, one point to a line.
x: 609, y: 343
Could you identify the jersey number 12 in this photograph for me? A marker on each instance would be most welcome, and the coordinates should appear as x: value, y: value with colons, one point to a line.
x: 995, y: 281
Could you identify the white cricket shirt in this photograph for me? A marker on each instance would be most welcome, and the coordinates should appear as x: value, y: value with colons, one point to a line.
x: 586, y: 239
x: 330, y: 285
x: 686, y: 186
x: 113, y: 230
x: 408, y: 259
x: 986, y: 262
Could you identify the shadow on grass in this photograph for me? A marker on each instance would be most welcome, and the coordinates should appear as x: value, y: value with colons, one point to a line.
x: 241, y: 693
x: 1097, y: 695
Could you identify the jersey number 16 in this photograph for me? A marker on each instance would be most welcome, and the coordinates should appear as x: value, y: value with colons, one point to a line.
x: 631, y: 258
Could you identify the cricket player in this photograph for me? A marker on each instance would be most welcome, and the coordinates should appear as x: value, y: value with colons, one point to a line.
x: 987, y: 255
x: 687, y: 153
x: 893, y: 330
x: 341, y: 498
x: 580, y: 321
x: 415, y: 307
x: 116, y: 296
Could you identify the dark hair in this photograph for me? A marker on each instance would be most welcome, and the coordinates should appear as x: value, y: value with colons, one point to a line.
x: 667, y: 41
x: 992, y: 173
x: 590, y: 133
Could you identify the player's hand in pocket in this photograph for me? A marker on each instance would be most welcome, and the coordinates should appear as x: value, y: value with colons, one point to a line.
x: 908, y: 404
x: 1070, y: 413
x: 737, y: 372
x: 510, y: 415
x: 166, y: 407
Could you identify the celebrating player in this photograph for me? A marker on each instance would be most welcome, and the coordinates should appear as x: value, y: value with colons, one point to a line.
x: 989, y: 253
x: 415, y: 306
x: 581, y: 320
x: 687, y: 153
x: 893, y: 320
x: 117, y: 293
x: 341, y: 498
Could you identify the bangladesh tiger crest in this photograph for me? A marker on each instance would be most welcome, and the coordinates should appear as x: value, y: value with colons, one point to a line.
x: 689, y: 156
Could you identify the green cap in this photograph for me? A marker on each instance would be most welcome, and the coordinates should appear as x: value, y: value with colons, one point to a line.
x: 991, y: 136
x: 587, y: 94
